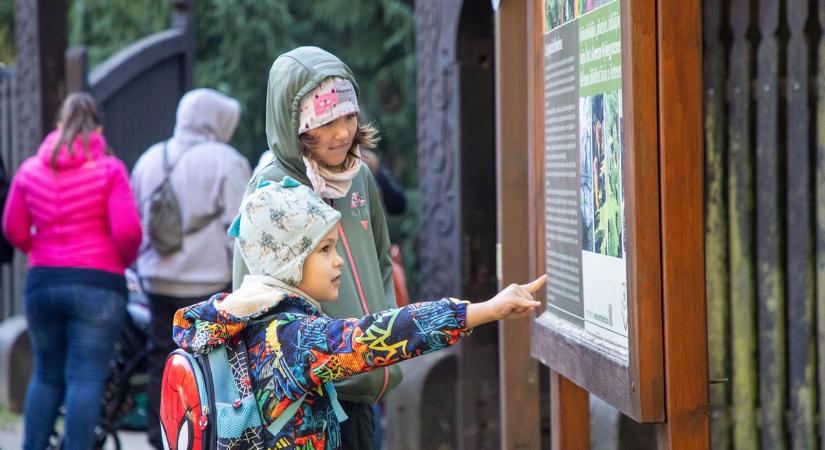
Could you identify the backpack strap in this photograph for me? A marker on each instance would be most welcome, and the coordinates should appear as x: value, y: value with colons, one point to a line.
x: 199, y: 381
x: 333, y: 398
x: 167, y: 175
x: 234, y: 415
x: 279, y: 422
x: 222, y: 379
x: 167, y: 168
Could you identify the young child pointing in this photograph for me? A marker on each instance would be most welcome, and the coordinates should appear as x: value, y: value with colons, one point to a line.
x: 287, y: 236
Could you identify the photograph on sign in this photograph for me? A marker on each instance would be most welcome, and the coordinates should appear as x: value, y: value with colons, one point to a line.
x: 559, y: 12
x: 585, y: 234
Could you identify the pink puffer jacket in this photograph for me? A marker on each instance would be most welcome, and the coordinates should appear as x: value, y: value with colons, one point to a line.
x: 80, y: 214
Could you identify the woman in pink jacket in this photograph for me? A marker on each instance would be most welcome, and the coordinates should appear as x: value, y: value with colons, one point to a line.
x: 70, y: 208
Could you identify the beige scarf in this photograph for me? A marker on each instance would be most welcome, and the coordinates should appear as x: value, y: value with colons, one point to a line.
x: 257, y: 293
x: 333, y: 184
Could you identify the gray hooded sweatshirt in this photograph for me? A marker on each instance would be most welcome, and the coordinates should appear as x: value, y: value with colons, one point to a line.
x: 208, y: 178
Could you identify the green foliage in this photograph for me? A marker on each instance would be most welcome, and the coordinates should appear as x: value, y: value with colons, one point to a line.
x: 609, y: 221
x: 238, y: 40
x: 7, y: 50
x: 106, y: 26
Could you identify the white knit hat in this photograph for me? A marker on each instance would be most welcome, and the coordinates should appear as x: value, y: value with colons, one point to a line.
x: 333, y: 98
x: 278, y: 226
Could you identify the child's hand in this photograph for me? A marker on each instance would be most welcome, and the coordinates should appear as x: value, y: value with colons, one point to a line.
x: 515, y: 301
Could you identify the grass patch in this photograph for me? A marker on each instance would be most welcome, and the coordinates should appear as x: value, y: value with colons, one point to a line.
x: 7, y: 417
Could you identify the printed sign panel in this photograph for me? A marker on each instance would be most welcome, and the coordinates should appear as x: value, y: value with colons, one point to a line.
x: 584, y: 185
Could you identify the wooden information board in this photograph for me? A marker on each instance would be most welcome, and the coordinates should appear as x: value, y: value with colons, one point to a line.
x: 597, y: 169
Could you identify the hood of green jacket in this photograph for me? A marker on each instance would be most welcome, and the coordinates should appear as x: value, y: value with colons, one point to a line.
x: 293, y: 75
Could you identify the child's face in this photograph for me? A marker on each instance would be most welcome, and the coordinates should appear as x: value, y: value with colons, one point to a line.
x: 334, y: 140
x: 322, y: 270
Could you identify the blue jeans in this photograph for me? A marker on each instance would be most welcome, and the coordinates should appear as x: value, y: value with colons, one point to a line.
x: 73, y: 328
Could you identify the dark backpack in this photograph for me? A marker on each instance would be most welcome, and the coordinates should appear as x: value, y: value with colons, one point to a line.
x: 163, y: 220
x: 6, y: 250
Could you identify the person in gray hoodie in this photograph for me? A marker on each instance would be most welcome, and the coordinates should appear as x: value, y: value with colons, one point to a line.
x: 208, y: 178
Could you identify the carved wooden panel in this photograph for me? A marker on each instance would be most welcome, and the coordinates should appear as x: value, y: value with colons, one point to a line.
x: 27, y: 74
x: 456, y: 139
x: 438, y: 145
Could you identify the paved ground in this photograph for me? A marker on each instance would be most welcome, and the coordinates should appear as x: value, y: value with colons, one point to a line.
x: 11, y: 437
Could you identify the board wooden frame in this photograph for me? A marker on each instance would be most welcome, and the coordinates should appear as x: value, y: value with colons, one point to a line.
x: 634, y: 384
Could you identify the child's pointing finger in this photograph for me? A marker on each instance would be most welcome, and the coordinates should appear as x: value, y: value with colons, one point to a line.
x: 536, y: 284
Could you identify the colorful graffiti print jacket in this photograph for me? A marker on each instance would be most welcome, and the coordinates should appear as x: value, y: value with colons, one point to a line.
x: 293, y: 349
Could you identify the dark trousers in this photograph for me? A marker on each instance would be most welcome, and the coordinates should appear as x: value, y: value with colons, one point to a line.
x: 358, y: 432
x: 163, y: 310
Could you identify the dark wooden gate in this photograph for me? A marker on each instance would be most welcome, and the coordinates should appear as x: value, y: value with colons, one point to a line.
x: 138, y: 88
x: 764, y: 78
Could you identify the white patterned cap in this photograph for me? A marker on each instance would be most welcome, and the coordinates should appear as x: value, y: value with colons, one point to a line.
x: 279, y: 225
x: 333, y: 98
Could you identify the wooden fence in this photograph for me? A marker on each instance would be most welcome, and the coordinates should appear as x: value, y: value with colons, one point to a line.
x: 764, y: 94
x: 10, y: 274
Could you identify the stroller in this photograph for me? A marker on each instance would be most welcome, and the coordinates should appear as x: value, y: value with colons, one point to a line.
x: 123, y: 404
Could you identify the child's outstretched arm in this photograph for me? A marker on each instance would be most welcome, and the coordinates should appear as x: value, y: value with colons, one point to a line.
x: 321, y: 349
x: 515, y: 301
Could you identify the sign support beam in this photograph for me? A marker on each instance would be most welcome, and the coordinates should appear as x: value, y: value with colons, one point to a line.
x: 682, y: 181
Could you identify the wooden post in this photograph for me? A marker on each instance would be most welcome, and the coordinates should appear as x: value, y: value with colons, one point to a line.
x: 717, y: 285
x: 681, y: 178
x: 770, y: 281
x: 799, y: 234
x: 570, y: 412
x: 40, y: 32
x: 819, y: 241
x: 519, y: 375
x: 740, y: 207
x: 182, y: 17
x: 569, y: 404
x: 77, y: 67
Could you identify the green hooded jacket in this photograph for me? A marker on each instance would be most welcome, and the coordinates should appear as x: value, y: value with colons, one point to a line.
x: 364, y: 244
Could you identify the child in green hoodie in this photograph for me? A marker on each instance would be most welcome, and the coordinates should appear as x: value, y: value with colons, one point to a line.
x: 315, y: 132
x: 287, y: 236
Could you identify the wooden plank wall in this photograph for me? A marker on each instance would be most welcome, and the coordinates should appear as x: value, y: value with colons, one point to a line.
x: 764, y: 104
x: 11, y: 278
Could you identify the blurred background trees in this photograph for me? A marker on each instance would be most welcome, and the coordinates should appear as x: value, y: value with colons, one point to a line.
x: 7, y: 33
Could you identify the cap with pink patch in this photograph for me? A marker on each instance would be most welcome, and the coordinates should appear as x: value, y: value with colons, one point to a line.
x: 333, y: 98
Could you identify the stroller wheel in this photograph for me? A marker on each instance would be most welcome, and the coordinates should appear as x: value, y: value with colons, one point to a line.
x: 106, y: 438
